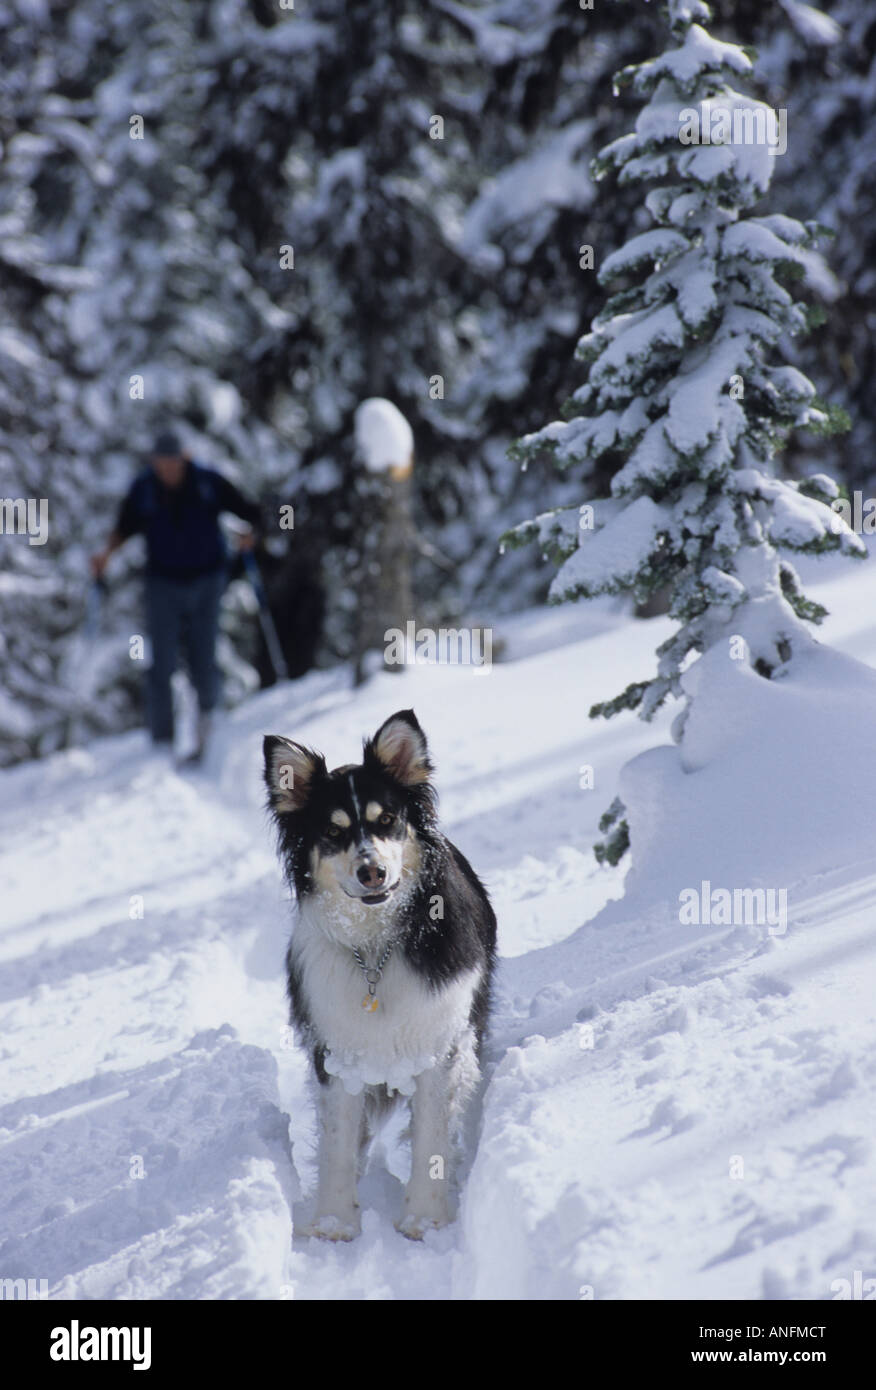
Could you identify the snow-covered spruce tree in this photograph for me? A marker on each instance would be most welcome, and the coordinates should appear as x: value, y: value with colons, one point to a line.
x: 682, y: 401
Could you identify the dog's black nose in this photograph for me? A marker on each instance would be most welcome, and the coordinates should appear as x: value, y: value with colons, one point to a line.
x: 371, y: 875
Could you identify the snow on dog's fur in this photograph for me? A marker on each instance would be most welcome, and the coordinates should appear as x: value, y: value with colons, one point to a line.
x: 375, y: 878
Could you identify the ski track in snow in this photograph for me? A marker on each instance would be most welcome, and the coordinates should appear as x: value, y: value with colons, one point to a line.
x: 633, y: 1063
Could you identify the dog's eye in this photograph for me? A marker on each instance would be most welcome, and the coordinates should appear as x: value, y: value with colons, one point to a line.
x: 386, y: 819
x: 334, y: 832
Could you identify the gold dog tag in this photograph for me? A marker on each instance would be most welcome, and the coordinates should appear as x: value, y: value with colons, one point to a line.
x: 369, y: 1003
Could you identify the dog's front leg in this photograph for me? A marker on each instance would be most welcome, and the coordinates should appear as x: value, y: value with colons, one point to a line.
x: 337, y: 1208
x: 427, y: 1202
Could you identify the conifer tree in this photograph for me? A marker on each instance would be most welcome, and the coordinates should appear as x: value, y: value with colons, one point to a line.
x: 684, y: 400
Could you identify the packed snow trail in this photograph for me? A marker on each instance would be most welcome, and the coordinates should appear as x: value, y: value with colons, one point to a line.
x: 669, y: 1111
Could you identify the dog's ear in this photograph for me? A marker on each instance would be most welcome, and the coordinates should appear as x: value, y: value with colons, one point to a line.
x: 290, y: 772
x: 399, y: 746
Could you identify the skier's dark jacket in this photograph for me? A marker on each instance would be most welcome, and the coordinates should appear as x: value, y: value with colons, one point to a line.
x: 181, y: 525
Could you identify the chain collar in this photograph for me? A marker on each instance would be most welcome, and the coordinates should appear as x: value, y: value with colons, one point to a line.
x: 372, y: 977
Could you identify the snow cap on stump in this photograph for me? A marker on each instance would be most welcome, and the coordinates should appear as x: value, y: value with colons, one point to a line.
x: 384, y: 439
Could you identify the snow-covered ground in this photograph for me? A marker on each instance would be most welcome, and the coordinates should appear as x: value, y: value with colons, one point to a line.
x: 670, y: 1110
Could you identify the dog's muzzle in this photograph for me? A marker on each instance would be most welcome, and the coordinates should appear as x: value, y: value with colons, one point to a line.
x: 371, y: 873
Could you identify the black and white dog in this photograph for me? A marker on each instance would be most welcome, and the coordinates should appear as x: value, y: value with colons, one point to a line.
x: 390, y: 961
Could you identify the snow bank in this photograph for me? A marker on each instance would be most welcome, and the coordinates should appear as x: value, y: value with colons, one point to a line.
x: 773, y: 781
x: 170, y: 1180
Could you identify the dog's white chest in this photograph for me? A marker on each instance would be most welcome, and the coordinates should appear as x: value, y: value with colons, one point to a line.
x: 410, y: 1029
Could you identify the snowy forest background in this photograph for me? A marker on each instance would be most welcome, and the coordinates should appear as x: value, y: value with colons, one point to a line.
x: 414, y: 257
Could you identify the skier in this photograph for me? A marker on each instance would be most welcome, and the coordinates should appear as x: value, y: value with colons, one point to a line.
x: 175, y: 504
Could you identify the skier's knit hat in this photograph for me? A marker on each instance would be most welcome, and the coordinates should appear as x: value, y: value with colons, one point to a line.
x: 167, y: 445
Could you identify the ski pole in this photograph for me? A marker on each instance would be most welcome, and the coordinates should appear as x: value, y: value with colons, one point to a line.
x: 76, y: 674
x: 272, y: 641
x: 94, y: 597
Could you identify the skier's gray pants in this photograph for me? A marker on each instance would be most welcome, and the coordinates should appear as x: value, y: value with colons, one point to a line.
x: 182, y: 613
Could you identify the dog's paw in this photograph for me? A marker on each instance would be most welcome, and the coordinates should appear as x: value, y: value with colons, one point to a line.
x: 330, y: 1227
x: 415, y: 1226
